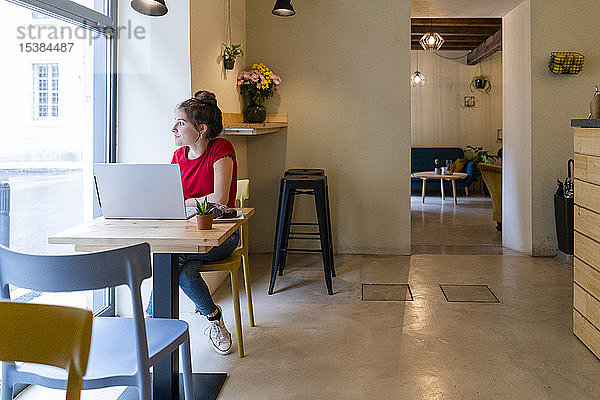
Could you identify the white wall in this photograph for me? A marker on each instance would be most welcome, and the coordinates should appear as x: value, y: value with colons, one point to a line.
x: 516, y: 173
x: 154, y: 78
x: 438, y: 115
x: 538, y: 109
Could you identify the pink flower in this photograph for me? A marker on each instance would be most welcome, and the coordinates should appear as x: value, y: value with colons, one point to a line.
x: 276, y: 79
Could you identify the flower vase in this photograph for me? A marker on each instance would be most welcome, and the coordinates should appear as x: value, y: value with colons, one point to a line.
x: 255, y: 113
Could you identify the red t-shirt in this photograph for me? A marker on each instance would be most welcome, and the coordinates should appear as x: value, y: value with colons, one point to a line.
x: 198, y: 175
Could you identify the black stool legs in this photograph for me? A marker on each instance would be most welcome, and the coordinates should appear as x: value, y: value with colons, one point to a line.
x: 324, y: 234
x: 290, y: 186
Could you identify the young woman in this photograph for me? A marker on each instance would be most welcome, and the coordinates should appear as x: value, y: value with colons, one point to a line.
x: 208, y: 170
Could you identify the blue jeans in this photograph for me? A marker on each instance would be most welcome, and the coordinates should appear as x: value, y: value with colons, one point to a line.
x: 190, y: 279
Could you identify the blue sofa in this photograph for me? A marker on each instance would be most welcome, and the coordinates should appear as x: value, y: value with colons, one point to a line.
x: 423, y: 159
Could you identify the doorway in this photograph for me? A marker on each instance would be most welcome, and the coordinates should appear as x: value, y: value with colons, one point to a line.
x: 456, y: 121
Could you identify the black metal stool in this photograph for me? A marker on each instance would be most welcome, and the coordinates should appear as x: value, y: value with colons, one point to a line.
x: 304, y: 171
x: 312, y: 171
x: 290, y: 186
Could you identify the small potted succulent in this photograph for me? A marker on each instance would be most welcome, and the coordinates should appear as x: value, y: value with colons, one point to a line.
x: 204, y: 215
x: 481, y: 82
x: 230, y: 53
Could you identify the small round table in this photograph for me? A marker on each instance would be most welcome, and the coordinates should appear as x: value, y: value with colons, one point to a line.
x: 446, y: 177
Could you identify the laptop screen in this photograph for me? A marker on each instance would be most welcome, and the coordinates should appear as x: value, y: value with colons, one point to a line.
x: 140, y: 191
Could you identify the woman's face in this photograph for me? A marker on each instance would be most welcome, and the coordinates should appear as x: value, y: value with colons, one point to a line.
x: 184, y: 132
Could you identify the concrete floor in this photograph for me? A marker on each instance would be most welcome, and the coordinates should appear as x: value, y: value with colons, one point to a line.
x: 308, y: 345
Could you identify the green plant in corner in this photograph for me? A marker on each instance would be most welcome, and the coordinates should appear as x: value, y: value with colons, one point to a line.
x: 230, y: 53
x: 203, y: 208
x: 478, y: 155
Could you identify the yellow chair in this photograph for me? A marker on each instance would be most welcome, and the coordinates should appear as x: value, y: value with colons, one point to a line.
x: 492, y: 176
x: 50, y: 335
x: 232, y: 264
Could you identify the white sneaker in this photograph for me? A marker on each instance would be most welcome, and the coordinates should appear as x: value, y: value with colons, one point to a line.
x: 219, y: 336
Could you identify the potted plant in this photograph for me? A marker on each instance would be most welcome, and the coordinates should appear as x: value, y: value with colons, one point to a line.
x: 481, y: 82
x: 257, y: 85
x: 230, y: 53
x: 204, y: 215
x: 478, y: 155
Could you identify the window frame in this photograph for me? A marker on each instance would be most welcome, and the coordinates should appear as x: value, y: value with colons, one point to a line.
x: 75, y: 13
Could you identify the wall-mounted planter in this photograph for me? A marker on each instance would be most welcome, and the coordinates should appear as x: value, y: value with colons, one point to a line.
x: 566, y: 62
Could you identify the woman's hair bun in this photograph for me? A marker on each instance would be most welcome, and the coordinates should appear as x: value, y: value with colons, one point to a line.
x: 203, y: 109
x: 206, y: 97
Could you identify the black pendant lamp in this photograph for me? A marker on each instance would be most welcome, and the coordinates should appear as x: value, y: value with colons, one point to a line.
x: 283, y: 8
x: 153, y: 8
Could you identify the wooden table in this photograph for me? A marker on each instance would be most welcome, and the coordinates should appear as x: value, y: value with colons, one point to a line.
x: 167, y: 239
x: 432, y: 175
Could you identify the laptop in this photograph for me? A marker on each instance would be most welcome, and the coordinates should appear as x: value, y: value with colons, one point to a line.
x: 141, y: 191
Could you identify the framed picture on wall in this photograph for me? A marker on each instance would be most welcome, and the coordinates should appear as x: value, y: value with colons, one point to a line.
x: 499, y: 135
x: 469, y: 101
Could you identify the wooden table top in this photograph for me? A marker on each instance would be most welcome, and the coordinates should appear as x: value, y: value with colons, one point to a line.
x: 433, y: 175
x: 164, y: 236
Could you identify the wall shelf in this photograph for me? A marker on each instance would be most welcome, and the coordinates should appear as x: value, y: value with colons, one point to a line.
x: 234, y: 125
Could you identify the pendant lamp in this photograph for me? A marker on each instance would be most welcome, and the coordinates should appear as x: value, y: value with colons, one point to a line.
x: 153, y: 8
x: 283, y: 8
x: 431, y: 41
x: 417, y: 79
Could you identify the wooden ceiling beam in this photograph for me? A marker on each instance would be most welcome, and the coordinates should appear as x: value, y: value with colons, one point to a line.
x: 462, y: 46
x: 480, y: 22
x: 446, y: 30
x: 475, y: 40
x: 458, y: 34
x: 485, y: 49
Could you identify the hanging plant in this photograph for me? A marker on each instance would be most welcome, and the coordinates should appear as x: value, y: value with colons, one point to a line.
x: 482, y: 83
x: 230, y: 53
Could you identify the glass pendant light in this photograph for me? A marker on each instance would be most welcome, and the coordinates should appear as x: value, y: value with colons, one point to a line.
x: 283, y: 8
x: 417, y: 79
x: 431, y: 41
x: 153, y: 8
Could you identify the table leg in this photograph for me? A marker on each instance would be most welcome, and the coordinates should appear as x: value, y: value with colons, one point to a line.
x: 454, y: 190
x: 442, y: 188
x: 423, y: 190
x: 165, y: 378
x: 165, y: 280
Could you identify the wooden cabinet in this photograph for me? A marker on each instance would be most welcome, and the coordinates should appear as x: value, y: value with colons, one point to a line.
x: 586, y: 265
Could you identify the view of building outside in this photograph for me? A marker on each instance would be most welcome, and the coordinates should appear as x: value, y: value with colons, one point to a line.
x: 46, y: 137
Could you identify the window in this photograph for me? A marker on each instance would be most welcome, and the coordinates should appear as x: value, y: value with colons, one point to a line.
x: 58, y: 120
x: 45, y: 97
x: 57, y: 124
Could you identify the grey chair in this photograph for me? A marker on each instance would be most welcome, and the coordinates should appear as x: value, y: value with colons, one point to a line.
x: 122, y: 349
